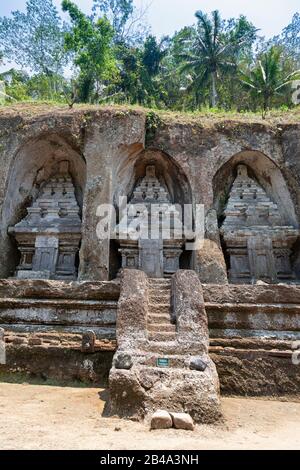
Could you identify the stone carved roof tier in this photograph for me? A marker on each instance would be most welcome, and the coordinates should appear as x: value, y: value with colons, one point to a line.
x: 55, y: 208
x: 150, y: 190
x: 151, y: 203
x: 250, y: 210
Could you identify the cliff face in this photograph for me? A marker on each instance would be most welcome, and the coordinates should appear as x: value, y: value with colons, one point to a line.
x: 106, y: 149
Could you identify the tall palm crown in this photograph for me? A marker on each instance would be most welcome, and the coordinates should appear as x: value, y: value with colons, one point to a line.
x: 266, y: 79
x: 211, y: 52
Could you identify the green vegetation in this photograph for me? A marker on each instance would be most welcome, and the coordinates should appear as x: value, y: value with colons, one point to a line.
x: 109, y: 57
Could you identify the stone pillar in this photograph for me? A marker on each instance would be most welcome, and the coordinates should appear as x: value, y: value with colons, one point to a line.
x: 189, y: 310
x: 132, y: 309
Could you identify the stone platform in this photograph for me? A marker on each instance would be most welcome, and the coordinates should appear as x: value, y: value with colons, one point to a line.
x: 252, y: 332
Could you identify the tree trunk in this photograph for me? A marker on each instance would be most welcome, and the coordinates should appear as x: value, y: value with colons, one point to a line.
x: 214, y: 94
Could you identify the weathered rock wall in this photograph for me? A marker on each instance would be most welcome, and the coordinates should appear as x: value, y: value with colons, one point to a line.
x: 57, y: 312
x: 95, y: 143
x: 105, y: 148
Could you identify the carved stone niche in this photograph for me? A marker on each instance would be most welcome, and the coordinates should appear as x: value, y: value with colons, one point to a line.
x: 157, y: 248
x: 49, y: 236
x: 255, y: 235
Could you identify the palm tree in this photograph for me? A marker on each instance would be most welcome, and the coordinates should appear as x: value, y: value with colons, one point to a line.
x: 211, y: 52
x: 266, y: 79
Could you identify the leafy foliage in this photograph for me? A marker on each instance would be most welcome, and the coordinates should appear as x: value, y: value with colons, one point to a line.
x: 266, y: 79
x: 126, y: 20
x: 109, y: 56
x: 34, y: 39
x: 91, y: 43
x: 213, y: 52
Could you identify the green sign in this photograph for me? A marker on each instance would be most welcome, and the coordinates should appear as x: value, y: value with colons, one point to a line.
x: 162, y: 362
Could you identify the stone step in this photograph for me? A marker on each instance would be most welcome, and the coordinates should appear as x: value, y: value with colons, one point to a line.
x: 161, y: 328
x: 159, y: 308
x: 159, y: 280
x: 161, y: 299
x: 159, y: 290
x: 159, y: 318
x: 159, y: 285
x: 159, y: 303
x: 169, y: 346
x: 162, y: 336
x: 157, y: 294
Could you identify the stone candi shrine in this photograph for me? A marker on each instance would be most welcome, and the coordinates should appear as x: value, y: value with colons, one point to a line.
x: 256, y: 236
x: 49, y: 236
x: 159, y: 245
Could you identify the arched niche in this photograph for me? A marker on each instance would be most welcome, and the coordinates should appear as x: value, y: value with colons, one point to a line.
x: 131, y: 170
x: 33, y: 165
x: 257, y: 219
x: 127, y: 175
x: 265, y: 172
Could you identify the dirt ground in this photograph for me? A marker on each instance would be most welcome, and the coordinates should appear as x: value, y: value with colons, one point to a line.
x: 50, y: 417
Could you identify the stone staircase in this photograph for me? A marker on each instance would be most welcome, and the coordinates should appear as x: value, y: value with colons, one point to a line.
x: 159, y: 365
x: 159, y: 323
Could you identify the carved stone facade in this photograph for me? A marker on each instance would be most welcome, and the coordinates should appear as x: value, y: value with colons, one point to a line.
x: 49, y: 236
x: 257, y: 239
x: 158, y: 247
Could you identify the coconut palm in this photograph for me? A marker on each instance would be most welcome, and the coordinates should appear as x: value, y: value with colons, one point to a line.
x: 212, y: 52
x: 266, y: 79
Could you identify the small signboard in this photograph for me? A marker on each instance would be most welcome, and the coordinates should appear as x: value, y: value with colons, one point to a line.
x: 161, y: 362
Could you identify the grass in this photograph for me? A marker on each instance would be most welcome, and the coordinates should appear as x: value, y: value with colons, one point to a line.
x: 204, y: 116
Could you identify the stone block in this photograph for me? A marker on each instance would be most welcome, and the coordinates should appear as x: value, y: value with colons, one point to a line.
x: 123, y: 361
x: 141, y: 391
x: 161, y: 420
x: 88, y: 342
x: 182, y: 421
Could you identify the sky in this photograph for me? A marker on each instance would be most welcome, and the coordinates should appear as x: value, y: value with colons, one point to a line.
x: 168, y: 16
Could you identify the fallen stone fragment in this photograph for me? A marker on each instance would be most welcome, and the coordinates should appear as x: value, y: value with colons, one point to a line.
x: 161, y: 420
x: 196, y: 363
x: 182, y: 421
x: 123, y: 361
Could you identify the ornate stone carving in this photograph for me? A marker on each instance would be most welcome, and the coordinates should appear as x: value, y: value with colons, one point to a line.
x: 158, y: 246
x: 256, y: 236
x: 49, y: 236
